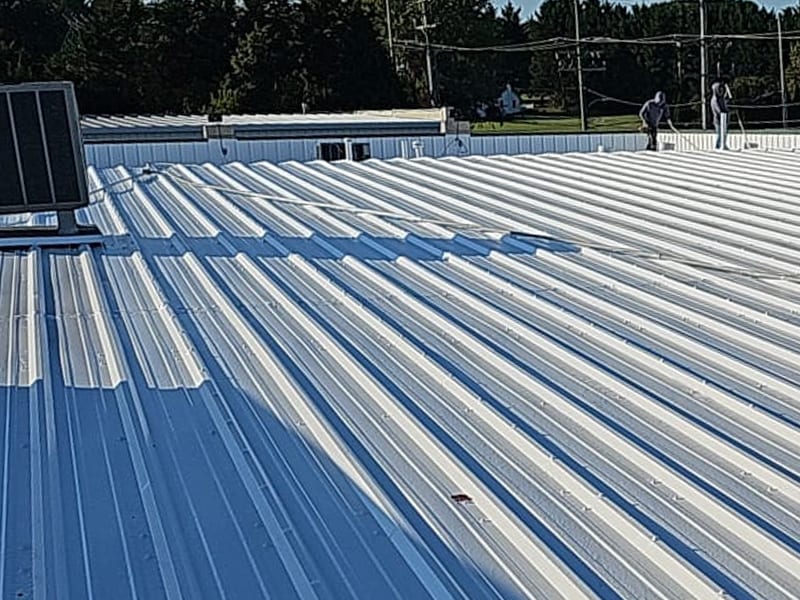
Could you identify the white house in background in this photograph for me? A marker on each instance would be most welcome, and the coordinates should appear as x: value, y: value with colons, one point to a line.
x: 509, y: 101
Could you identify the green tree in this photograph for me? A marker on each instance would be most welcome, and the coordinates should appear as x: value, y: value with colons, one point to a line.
x: 101, y: 53
x: 346, y: 65
x: 793, y: 73
x: 272, y: 55
x: 462, y: 79
x: 265, y: 73
x: 31, y: 31
x: 189, y: 46
x: 512, y: 67
x: 554, y: 71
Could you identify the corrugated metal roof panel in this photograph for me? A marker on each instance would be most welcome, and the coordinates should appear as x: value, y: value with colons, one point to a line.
x: 191, y: 128
x: 104, y: 155
x: 306, y: 380
x: 103, y: 121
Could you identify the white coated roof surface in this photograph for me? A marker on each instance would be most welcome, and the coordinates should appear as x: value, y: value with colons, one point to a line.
x: 102, y: 121
x: 241, y: 398
x: 170, y: 128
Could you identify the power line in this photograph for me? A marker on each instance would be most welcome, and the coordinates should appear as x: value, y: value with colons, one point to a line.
x: 606, y: 98
x: 559, y: 43
x: 553, y: 44
x: 757, y: 106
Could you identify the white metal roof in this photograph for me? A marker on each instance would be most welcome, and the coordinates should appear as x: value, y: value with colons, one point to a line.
x: 171, y: 128
x: 237, y: 397
x: 100, y: 121
x: 104, y: 154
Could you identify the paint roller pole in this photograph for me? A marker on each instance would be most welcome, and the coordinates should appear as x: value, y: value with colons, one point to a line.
x: 738, y: 118
x: 783, y: 75
x: 683, y: 137
x: 576, y: 4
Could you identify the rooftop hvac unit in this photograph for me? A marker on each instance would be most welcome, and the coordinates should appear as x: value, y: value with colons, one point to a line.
x: 41, y: 157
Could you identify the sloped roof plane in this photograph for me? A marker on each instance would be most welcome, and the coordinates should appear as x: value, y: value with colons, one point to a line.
x: 502, y: 377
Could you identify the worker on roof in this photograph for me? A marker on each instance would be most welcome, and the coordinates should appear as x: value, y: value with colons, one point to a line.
x: 652, y: 113
x: 719, y: 108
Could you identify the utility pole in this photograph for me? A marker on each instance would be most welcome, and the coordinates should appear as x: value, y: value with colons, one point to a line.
x: 389, y: 34
x: 703, y: 108
x: 783, y: 74
x: 424, y: 29
x: 576, y: 4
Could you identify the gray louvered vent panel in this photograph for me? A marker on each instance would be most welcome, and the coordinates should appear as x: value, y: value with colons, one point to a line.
x: 41, y: 156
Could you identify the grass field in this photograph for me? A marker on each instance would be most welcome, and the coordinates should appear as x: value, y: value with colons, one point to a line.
x: 556, y: 124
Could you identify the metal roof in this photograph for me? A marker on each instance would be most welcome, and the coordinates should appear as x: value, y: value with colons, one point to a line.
x: 193, y: 128
x: 352, y: 380
x: 104, y: 155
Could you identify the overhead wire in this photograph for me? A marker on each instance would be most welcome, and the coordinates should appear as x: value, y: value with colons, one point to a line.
x: 738, y: 108
x: 553, y: 44
x: 758, y: 106
x: 607, y: 98
x: 560, y: 42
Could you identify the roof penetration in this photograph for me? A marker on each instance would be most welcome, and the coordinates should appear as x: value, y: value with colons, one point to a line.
x: 353, y: 380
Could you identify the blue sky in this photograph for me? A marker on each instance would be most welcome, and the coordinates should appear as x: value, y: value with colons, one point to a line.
x: 529, y: 6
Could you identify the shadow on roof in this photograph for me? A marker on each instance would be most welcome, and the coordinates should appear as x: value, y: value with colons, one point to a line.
x: 363, y: 247
x: 205, y: 492
x: 157, y: 489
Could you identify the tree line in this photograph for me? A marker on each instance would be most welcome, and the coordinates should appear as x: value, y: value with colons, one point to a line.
x: 229, y: 56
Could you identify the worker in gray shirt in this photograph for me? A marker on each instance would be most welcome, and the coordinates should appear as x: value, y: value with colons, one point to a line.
x: 719, y: 108
x: 652, y: 113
